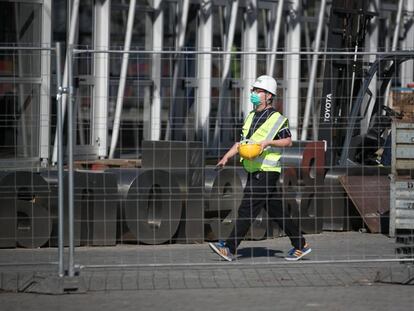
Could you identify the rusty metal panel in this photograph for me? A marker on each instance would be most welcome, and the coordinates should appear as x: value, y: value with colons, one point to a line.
x: 371, y: 197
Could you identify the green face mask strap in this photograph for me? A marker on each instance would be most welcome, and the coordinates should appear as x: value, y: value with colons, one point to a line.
x: 269, y: 100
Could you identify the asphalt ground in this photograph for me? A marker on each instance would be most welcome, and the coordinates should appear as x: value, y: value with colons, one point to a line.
x: 345, y: 271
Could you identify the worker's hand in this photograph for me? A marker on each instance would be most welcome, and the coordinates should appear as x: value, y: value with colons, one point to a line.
x: 222, y: 162
x: 263, y: 145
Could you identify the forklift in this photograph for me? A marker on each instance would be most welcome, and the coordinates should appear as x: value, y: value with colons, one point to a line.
x: 354, y: 123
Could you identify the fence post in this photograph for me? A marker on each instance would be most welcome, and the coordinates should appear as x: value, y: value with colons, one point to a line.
x: 59, y: 133
x: 71, y: 271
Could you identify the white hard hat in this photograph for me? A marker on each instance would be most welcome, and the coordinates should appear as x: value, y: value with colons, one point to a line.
x: 266, y: 83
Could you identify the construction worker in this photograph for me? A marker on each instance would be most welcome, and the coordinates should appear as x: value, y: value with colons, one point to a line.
x: 267, y: 127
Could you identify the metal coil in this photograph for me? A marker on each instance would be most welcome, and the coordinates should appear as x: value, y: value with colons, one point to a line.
x: 153, y: 206
x: 24, y: 210
x: 293, y: 156
x: 223, y: 195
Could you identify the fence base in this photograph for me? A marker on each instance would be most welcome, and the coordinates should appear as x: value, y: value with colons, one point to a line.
x: 55, y: 285
x: 404, y: 275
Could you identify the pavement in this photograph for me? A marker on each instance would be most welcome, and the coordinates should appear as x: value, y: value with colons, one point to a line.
x: 346, y: 270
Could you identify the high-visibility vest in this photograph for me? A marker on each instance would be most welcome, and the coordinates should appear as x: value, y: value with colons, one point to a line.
x: 269, y: 159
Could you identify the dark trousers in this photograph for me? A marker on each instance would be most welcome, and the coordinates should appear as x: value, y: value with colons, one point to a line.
x: 261, y: 192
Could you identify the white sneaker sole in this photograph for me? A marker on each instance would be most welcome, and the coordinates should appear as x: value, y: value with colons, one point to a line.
x: 215, y: 249
x: 297, y: 258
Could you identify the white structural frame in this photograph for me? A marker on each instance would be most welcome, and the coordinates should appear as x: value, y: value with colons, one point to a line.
x: 122, y: 78
x: 152, y: 107
x: 228, y: 36
x: 204, y: 81
x: 22, y: 143
x: 275, y: 37
x: 204, y: 62
x: 249, y: 61
x: 292, y: 69
x: 101, y: 74
x: 180, y: 30
x: 45, y: 90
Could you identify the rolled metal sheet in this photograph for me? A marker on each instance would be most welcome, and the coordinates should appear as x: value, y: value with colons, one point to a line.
x: 7, y: 214
x: 188, y: 156
x: 224, y: 192
x: 95, y: 199
x: 24, y: 198
x: 190, y: 182
x: 3, y: 174
x: 301, y: 182
x: 223, y: 189
x: 101, y: 213
x: 33, y: 224
x: 220, y: 228
x: 125, y: 177
x: 259, y: 227
x: 194, y: 207
x: 303, y: 203
x: 172, y: 154
x: 335, y: 207
x: 154, y: 206
x: 293, y: 156
x: 51, y: 176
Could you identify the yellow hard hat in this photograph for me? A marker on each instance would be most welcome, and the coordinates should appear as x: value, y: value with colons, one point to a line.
x: 248, y: 149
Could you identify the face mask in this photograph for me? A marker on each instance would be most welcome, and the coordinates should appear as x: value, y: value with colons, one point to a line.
x: 254, y: 98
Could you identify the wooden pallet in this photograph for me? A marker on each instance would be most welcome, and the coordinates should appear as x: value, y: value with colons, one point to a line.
x: 98, y: 165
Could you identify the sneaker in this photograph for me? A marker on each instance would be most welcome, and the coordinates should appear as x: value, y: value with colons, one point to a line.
x: 296, y: 254
x: 223, y: 251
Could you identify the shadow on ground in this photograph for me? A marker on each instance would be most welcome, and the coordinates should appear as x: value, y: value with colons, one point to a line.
x: 248, y: 252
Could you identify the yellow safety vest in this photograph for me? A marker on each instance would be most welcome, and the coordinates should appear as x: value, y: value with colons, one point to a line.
x: 268, y: 160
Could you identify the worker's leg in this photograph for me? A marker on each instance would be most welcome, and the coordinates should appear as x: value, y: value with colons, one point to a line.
x: 254, y: 199
x: 278, y: 212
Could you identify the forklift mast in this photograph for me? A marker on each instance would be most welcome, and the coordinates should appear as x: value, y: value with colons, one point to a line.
x: 343, y: 74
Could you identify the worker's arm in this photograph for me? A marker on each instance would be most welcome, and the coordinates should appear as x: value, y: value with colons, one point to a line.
x: 284, y: 142
x: 282, y: 139
x: 229, y: 154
